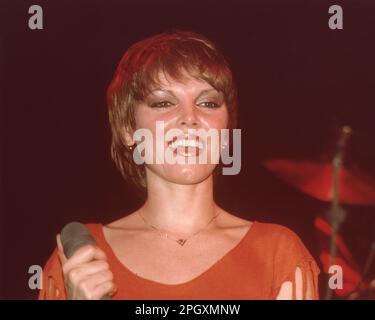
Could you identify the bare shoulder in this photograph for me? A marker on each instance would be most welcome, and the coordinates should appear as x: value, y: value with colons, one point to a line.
x: 228, y: 220
x: 130, y: 221
x: 232, y: 226
x: 129, y: 225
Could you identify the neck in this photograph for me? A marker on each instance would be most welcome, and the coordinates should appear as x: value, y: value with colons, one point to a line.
x: 180, y: 209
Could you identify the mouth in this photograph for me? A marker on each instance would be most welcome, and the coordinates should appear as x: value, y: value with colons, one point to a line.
x: 186, y: 146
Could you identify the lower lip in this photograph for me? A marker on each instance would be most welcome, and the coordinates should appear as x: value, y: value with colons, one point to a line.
x: 188, y: 151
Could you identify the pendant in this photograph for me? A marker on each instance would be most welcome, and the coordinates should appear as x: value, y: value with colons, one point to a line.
x: 181, y: 242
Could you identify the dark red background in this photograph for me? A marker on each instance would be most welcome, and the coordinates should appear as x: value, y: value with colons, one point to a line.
x: 298, y: 82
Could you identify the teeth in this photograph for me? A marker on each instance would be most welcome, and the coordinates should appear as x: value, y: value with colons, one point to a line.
x: 187, y: 143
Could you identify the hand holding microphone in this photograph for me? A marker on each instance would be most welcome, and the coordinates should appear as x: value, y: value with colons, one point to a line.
x: 85, y: 268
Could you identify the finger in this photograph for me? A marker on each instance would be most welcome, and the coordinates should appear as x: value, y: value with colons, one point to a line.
x: 114, y: 290
x: 87, y: 269
x: 103, y: 289
x: 87, y: 286
x: 88, y: 283
x: 60, y: 249
x: 93, y: 267
x: 84, y: 255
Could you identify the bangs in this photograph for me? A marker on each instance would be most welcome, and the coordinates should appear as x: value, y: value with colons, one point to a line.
x: 178, y: 62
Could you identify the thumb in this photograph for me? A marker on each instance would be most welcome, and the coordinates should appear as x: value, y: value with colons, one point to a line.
x: 60, y: 249
x: 114, y: 290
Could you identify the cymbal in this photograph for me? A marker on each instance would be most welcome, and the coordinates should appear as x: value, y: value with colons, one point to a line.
x: 315, y: 179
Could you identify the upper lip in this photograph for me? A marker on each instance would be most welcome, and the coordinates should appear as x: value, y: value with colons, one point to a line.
x: 192, y: 141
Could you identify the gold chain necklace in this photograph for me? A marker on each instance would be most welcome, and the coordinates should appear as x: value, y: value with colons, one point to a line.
x: 180, y: 241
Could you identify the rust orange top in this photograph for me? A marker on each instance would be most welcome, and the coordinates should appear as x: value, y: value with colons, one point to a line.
x: 255, y: 268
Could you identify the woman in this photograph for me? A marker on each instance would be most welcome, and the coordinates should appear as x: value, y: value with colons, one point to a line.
x: 179, y: 244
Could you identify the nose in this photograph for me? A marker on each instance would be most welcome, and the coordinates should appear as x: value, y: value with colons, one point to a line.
x: 188, y: 116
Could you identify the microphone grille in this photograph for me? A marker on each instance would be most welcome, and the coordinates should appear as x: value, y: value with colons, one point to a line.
x: 75, y: 235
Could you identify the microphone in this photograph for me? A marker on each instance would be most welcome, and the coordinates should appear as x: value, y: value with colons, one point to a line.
x: 74, y: 236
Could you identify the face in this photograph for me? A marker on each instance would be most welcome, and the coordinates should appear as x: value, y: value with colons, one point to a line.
x: 191, y: 104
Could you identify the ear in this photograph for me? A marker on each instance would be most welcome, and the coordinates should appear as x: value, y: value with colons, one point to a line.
x: 127, y: 136
x: 224, y: 139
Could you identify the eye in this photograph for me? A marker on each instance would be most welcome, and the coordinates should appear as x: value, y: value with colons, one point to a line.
x: 209, y: 104
x: 161, y: 104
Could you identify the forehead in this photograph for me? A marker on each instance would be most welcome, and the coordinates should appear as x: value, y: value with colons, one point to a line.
x: 185, y: 82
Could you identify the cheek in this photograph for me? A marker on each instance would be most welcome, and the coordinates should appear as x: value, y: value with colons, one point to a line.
x: 225, y: 118
x: 217, y: 120
x: 146, y: 119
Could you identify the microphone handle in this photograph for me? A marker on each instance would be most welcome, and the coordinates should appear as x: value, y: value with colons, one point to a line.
x: 74, y: 236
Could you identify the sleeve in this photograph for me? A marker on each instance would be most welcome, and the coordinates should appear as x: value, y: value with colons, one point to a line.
x: 53, y: 287
x: 294, y: 264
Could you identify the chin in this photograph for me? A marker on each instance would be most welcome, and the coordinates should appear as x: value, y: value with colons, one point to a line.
x: 184, y: 174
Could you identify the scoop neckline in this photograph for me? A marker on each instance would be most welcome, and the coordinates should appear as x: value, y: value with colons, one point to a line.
x: 124, y: 268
